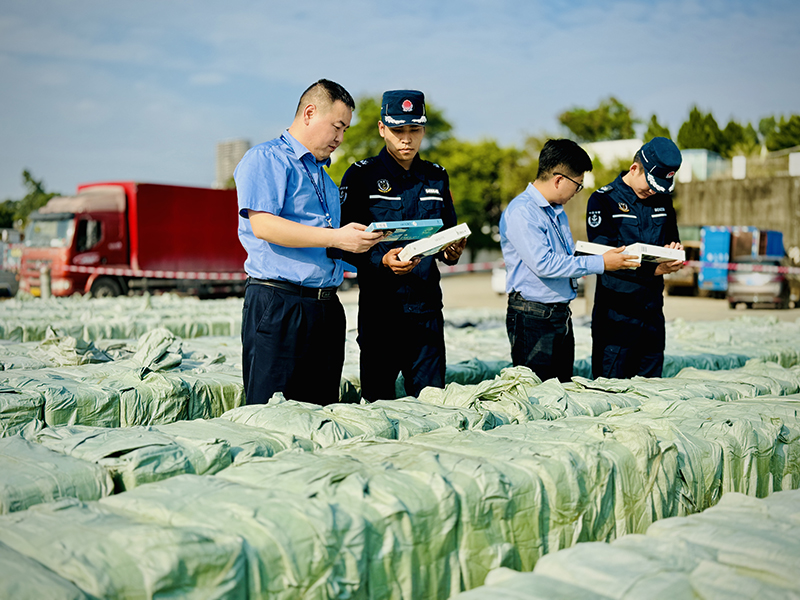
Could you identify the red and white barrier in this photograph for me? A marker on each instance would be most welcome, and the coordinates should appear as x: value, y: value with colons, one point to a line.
x: 744, y: 267
x: 445, y: 269
x: 201, y: 275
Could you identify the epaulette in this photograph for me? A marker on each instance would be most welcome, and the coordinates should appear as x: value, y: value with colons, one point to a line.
x: 605, y: 188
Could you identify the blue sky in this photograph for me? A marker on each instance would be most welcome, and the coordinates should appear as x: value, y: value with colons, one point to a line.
x: 102, y: 89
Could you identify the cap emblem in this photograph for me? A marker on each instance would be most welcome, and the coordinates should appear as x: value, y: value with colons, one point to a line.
x: 670, y: 175
x: 407, y: 106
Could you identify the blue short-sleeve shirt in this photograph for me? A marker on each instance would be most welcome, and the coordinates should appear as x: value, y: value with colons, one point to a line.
x: 276, y: 177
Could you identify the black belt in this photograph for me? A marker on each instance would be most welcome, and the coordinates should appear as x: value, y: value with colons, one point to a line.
x: 299, y: 290
x: 516, y: 296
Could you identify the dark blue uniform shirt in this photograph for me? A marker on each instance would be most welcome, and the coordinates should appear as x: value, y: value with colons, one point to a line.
x: 379, y: 189
x: 615, y: 216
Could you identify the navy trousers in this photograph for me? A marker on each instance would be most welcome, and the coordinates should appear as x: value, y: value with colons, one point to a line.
x: 291, y: 344
x: 541, y: 337
x: 407, y: 343
x: 624, y: 346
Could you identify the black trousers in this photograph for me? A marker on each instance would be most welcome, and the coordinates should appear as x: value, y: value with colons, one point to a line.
x: 541, y: 337
x: 407, y: 343
x: 624, y: 346
x: 291, y: 344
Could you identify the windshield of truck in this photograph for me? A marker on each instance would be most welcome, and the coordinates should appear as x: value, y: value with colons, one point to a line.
x: 50, y: 233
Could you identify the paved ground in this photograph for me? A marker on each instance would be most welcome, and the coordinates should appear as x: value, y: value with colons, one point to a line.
x: 474, y: 290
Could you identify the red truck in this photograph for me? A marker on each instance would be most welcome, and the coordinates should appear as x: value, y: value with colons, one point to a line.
x: 115, y: 237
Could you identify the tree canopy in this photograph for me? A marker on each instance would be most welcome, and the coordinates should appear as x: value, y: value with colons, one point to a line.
x: 611, y: 120
x: 780, y: 134
x: 18, y: 210
x: 485, y: 177
x: 700, y: 131
x: 655, y: 129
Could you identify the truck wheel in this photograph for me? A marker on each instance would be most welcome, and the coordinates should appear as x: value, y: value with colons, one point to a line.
x: 105, y: 287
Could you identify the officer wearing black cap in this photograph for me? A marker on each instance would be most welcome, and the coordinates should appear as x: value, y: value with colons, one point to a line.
x: 400, y: 322
x: 628, y: 333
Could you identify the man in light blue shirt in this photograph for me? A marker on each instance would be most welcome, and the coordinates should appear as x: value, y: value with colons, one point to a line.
x: 293, y: 325
x: 542, y: 270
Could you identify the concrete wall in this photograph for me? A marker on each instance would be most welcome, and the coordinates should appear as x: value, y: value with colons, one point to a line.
x: 766, y: 203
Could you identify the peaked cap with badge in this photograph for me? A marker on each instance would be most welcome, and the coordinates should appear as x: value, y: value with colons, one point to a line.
x: 403, y: 107
x: 661, y: 159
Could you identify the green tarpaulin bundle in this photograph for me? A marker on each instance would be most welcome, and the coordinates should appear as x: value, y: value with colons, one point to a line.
x: 137, y: 455
x: 32, y: 474
x: 321, y: 424
x: 411, y: 516
x: 20, y: 409
x: 150, y: 386
x: 742, y: 548
x: 93, y: 319
x: 296, y: 547
x: 425, y: 516
x: 67, y: 401
x: 573, y: 400
x: 23, y: 578
x: 508, y: 397
x: 412, y: 416
x: 108, y: 555
x: 245, y: 441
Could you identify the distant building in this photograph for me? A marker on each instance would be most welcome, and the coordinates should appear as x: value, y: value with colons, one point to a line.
x: 611, y: 152
x: 701, y: 165
x: 608, y: 154
x: 229, y: 154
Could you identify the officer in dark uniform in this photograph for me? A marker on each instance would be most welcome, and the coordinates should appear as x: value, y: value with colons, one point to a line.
x: 628, y: 333
x: 400, y: 322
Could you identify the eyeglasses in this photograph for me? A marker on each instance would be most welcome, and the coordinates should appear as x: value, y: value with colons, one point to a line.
x: 580, y: 185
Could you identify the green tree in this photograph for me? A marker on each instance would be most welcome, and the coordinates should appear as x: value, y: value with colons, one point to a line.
x: 737, y: 139
x: 783, y: 134
x: 362, y: 139
x: 655, y: 129
x: 611, y: 120
x: 700, y: 131
x: 34, y: 199
x: 766, y: 128
x: 7, y: 210
x: 484, y: 177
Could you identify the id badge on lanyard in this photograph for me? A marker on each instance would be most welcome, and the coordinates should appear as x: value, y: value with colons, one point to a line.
x: 321, y: 194
x: 573, y: 282
x: 334, y: 253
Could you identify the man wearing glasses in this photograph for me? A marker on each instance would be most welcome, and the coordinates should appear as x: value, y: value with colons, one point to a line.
x: 628, y: 334
x: 542, y: 271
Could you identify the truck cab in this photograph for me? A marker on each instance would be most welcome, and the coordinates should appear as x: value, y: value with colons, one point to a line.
x: 68, y: 233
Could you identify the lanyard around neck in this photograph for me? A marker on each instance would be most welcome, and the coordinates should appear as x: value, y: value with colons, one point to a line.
x: 559, y: 233
x: 320, y: 192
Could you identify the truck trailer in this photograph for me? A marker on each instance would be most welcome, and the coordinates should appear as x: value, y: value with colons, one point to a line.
x: 113, y: 238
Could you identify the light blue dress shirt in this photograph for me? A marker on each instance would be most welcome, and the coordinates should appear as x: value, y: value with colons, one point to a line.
x: 538, y: 250
x: 271, y: 178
